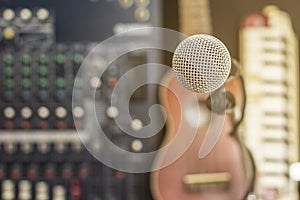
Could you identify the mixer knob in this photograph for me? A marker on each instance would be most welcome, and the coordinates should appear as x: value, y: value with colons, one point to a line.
x: 113, y: 70
x: 8, y: 14
x: 26, y: 59
x: 26, y: 95
x: 60, y: 83
x: 24, y: 190
x: 78, y: 112
x: 15, y: 173
x: 43, y: 83
x: 142, y: 14
x: 60, y: 125
x: 43, y: 112
x: 26, y: 112
x: 67, y: 172
x: 9, y: 72
x: 43, y: 148
x: 112, y: 81
x: 25, y: 14
x: 42, y: 196
x: 112, y: 112
x: 43, y: 95
x: 43, y: 59
x: 125, y: 3
x: 42, y: 14
x: 9, y: 112
x: 95, y: 82
x: 25, y: 195
x: 8, y: 185
x: 24, y: 185
x: 26, y: 71
x: 9, y: 83
x: 32, y: 172
x: 49, y: 171
x: 60, y: 147
x: 41, y: 191
x: 8, y: 95
x: 83, y: 171
x: 60, y: 112
x: 10, y: 148
x: 25, y: 125
x: 8, y: 59
x: 60, y: 95
x: 9, y: 33
x: 77, y: 146
x: 44, y: 125
x: 59, y: 192
x: 78, y: 58
x: 2, y: 172
x: 8, y: 195
x: 26, y: 148
x: 142, y: 3
x: 60, y: 59
x: 26, y: 83
x: 8, y: 190
x: 9, y: 125
x: 43, y: 70
x: 137, y: 145
x: 136, y: 124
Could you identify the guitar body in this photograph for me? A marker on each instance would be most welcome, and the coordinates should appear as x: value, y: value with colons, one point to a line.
x: 228, y: 155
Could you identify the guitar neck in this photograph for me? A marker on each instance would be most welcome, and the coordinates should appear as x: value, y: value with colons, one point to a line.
x: 194, y: 17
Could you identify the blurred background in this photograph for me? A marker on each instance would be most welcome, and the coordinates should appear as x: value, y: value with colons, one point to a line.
x: 45, y: 99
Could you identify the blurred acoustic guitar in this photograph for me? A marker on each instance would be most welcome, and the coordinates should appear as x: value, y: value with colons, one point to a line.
x: 227, y: 172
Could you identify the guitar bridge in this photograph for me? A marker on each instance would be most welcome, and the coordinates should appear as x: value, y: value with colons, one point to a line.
x: 206, y: 181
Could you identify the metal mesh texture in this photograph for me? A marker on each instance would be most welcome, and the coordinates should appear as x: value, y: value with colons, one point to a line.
x: 201, y: 63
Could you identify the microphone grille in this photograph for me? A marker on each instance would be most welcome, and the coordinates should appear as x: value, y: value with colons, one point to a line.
x: 201, y: 63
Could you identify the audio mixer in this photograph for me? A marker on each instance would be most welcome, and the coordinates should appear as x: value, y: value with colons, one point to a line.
x: 42, y: 46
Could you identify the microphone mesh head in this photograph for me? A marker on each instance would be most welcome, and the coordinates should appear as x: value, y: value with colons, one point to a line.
x: 201, y: 63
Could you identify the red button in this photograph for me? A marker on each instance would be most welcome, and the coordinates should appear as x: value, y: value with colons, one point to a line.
x: 112, y: 81
x: 49, y: 172
x: 76, y: 190
x: 83, y: 173
x: 26, y: 125
x: 15, y: 174
x: 8, y: 125
x: 60, y: 125
x: 78, y: 125
x: 31, y: 174
x: 2, y: 174
x: 44, y: 125
x: 120, y: 175
x: 67, y: 173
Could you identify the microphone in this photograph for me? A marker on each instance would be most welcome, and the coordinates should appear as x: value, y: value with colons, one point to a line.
x: 201, y: 63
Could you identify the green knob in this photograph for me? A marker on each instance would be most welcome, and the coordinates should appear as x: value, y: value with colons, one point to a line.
x: 26, y: 59
x: 78, y: 58
x: 60, y: 59
x: 8, y: 59
x: 60, y: 82
x: 26, y: 71
x: 8, y: 71
x: 9, y: 83
x: 43, y: 70
x: 78, y: 83
x: 43, y: 83
x: 43, y: 59
x: 26, y: 83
